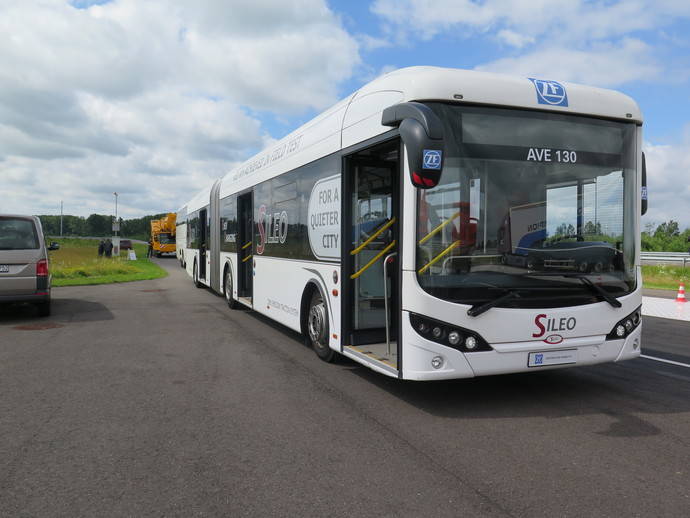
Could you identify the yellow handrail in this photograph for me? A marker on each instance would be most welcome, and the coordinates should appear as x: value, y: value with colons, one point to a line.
x: 247, y: 245
x: 370, y: 263
x: 247, y: 258
x: 439, y: 227
x: 373, y: 236
x: 435, y: 259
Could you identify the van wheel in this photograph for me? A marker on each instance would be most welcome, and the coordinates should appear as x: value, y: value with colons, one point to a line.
x: 232, y: 303
x: 43, y: 309
x: 317, y: 328
x: 195, y: 276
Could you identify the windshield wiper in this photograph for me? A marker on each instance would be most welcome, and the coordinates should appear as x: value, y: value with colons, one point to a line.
x: 601, y: 291
x: 595, y: 288
x: 478, y: 309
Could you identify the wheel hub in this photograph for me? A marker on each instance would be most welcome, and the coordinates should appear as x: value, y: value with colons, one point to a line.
x: 317, y: 324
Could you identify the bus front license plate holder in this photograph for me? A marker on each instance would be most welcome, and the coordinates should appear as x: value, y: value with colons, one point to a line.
x: 545, y: 358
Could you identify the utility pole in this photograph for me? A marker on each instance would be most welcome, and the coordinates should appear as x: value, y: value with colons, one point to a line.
x: 116, y: 222
x: 60, y: 218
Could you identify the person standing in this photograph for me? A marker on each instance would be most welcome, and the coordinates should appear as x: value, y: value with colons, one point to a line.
x: 108, y: 248
x: 149, y: 252
x: 101, y: 248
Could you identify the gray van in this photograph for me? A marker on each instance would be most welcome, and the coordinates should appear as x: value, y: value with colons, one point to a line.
x: 24, y: 269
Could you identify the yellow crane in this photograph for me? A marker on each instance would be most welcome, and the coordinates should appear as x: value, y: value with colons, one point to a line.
x: 163, y: 235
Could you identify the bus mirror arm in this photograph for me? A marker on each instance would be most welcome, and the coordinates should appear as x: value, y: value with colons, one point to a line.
x: 643, y: 194
x: 422, y: 133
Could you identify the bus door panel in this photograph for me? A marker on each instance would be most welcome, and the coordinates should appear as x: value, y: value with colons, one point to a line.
x: 245, y: 260
x: 371, y: 265
x: 203, y: 232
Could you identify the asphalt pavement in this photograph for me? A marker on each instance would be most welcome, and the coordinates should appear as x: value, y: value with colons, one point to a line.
x: 153, y: 398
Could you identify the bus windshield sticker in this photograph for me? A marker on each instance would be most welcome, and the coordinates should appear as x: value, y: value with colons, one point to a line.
x: 324, y: 218
x: 550, y: 92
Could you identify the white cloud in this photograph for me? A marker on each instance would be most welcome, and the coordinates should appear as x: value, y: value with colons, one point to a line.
x: 668, y: 170
x: 574, y: 20
x: 549, y: 36
x: 514, y: 39
x: 151, y: 98
x: 604, y: 64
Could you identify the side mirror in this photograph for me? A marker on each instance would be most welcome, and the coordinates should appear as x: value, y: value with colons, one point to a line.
x: 422, y: 133
x: 643, y: 194
x: 54, y: 246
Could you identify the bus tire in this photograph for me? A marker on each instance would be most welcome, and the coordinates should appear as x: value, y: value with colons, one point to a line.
x: 317, y: 328
x: 232, y: 303
x: 195, y: 276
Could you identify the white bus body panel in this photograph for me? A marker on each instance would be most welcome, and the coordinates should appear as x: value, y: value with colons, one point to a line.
x: 280, y: 283
x: 363, y: 116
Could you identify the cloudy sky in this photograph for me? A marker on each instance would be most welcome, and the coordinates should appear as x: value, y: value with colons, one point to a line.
x: 154, y: 98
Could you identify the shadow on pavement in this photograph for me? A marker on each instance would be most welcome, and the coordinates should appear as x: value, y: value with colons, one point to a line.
x: 62, y: 310
x: 620, y: 391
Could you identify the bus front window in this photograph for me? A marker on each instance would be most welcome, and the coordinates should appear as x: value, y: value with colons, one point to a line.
x: 529, y: 201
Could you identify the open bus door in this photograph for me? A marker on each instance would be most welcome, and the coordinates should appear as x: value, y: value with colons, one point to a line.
x: 203, y: 243
x: 370, y: 245
x: 245, y: 260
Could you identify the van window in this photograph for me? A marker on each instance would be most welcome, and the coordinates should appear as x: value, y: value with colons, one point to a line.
x: 17, y: 234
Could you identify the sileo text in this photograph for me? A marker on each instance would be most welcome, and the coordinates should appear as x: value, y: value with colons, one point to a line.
x: 544, y: 324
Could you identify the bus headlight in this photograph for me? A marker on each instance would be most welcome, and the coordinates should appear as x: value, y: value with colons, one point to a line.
x: 636, y: 317
x: 448, y: 335
x: 626, y: 325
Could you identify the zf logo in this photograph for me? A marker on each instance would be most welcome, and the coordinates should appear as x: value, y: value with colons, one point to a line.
x: 550, y: 92
x: 432, y: 159
x: 538, y: 359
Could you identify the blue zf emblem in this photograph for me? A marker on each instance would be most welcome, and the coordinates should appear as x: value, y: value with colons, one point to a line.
x: 550, y: 92
x: 538, y: 359
x: 432, y: 159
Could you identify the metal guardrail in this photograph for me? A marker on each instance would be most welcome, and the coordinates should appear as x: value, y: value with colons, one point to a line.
x: 665, y: 257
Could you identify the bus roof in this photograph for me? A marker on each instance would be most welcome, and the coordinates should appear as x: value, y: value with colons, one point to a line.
x: 200, y: 199
x: 358, y: 117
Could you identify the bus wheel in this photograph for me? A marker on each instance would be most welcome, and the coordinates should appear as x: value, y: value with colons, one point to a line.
x: 195, y: 276
x: 232, y: 303
x: 317, y: 327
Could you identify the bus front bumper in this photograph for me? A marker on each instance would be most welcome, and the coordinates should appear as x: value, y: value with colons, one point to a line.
x: 418, y: 354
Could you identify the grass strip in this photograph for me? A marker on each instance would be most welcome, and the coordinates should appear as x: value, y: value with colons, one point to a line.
x: 664, y: 277
x: 77, y: 264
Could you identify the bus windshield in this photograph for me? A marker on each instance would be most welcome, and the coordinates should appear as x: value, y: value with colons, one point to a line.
x: 529, y: 202
x: 166, y: 239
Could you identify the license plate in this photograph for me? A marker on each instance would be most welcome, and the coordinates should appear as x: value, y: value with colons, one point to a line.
x: 4, y: 268
x: 544, y: 358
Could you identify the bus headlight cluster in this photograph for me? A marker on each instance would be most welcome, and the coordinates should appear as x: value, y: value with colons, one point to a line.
x: 626, y: 326
x: 451, y: 336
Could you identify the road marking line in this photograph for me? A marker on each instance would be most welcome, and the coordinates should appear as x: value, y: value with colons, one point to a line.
x: 664, y: 361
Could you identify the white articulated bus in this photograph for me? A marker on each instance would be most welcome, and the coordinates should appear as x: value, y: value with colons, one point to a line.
x: 440, y: 224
